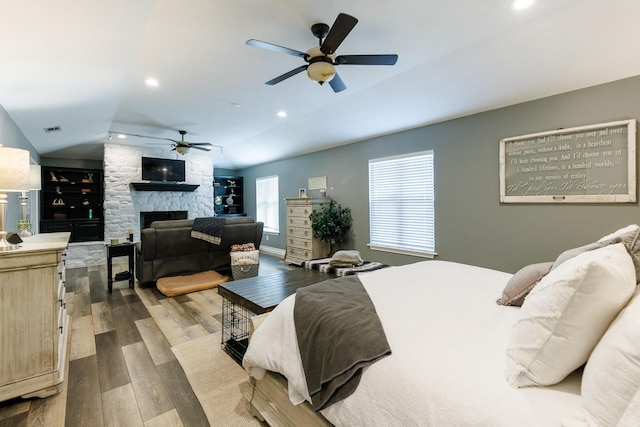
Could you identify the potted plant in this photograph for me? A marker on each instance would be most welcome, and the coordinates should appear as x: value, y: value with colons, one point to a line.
x: 331, y: 224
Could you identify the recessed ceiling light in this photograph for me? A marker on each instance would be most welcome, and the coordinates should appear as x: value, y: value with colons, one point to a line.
x: 121, y: 136
x: 151, y: 82
x: 521, y: 4
x: 281, y: 114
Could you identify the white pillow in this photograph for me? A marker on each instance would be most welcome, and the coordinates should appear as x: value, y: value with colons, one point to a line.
x: 611, y: 379
x: 566, y: 314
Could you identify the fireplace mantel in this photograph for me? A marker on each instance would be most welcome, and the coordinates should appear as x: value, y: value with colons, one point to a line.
x: 163, y: 186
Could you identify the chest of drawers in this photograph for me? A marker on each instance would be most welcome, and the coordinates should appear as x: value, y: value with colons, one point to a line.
x: 33, y: 319
x: 301, y: 245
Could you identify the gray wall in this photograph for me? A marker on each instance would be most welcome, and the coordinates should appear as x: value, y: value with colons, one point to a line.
x: 12, y: 136
x: 471, y: 225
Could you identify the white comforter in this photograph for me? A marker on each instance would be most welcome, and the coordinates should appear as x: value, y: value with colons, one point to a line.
x: 448, y: 339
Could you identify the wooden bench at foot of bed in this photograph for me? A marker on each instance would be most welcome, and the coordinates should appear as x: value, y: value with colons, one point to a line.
x: 268, y: 400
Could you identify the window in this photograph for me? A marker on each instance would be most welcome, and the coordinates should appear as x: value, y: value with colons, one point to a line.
x: 401, y: 204
x: 267, y: 203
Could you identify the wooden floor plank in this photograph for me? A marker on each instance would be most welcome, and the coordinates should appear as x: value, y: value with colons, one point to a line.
x: 205, y: 320
x: 170, y: 328
x: 151, y: 394
x: 196, y: 331
x: 112, y: 369
x: 184, y: 400
x: 147, y: 296
x: 204, y: 304
x: 84, y: 405
x: 102, y: 320
x: 82, y: 338
x: 178, y: 313
x: 156, y: 342
x: 168, y: 419
x: 124, y: 321
x: 119, y: 408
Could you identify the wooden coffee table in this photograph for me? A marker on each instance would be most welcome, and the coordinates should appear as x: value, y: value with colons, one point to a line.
x: 257, y: 295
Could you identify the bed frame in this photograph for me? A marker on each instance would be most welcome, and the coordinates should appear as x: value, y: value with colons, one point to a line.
x: 268, y: 398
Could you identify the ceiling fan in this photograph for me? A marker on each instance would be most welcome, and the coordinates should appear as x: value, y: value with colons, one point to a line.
x: 320, y: 61
x: 181, y: 146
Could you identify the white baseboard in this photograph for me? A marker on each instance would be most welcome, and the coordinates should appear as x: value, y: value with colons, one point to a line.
x: 270, y: 250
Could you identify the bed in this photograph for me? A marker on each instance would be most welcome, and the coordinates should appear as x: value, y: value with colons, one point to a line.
x: 457, y: 357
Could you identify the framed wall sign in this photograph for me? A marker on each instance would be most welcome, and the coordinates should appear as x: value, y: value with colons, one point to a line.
x: 587, y: 164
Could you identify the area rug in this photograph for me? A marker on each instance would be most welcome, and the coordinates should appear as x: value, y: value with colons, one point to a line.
x: 218, y: 381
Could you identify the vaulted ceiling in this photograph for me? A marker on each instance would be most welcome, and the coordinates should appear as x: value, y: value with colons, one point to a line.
x: 81, y: 65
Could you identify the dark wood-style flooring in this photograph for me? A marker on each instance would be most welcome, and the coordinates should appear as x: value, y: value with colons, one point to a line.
x: 122, y: 370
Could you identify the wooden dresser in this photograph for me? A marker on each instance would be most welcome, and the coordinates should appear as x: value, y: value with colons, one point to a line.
x: 301, y: 245
x: 33, y: 320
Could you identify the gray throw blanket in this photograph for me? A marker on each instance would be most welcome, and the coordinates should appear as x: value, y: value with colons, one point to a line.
x: 339, y: 334
x: 209, y: 229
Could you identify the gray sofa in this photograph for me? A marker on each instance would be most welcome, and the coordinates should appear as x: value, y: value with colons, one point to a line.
x: 166, y: 248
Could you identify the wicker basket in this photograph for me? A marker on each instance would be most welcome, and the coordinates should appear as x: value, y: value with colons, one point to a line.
x: 244, y: 271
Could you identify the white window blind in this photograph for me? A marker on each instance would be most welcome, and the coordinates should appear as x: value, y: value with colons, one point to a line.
x: 401, y: 204
x: 267, y: 203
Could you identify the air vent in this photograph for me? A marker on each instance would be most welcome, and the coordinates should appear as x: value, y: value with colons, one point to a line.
x: 53, y: 129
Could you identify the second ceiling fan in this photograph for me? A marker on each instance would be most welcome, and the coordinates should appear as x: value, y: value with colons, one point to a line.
x: 321, y: 60
x: 180, y: 146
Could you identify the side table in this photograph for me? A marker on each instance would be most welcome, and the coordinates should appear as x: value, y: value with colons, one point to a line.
x: 114, y: 251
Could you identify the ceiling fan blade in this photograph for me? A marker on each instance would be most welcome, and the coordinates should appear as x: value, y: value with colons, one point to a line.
x: 143, y: 136
x: 366, y: 60
x: 201, y: 144
x: 200, y: 147
x: 286, y: 75
x: 275, y: 48
x: 337, y: 84
x: 340, y: 29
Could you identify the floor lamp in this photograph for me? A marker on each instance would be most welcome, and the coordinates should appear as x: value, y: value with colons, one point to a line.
x: 14, y: 177
x: 35, y: 183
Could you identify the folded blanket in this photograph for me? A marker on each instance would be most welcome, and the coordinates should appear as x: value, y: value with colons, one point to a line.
x: 209, y: 229
x: 346, y: 258
x: 339, y: 333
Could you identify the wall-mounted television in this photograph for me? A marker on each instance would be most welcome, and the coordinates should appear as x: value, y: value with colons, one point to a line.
x: 163, y: 170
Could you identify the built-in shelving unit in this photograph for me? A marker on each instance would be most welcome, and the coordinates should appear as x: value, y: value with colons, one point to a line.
x: 72, y: 201
x: 228, y: 196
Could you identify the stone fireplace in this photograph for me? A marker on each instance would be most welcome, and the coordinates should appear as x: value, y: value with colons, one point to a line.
x: 123, y: 205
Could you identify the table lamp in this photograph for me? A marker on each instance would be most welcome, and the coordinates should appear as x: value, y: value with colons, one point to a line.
x: 14, y: 177
x: 35, y: 183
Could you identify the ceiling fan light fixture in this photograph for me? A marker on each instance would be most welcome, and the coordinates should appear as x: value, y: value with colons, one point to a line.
x: 182, y: 149
x: 321, y: 72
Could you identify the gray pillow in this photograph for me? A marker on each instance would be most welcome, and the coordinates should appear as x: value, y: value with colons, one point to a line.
x: 570, y: 253
x: 519, y: 286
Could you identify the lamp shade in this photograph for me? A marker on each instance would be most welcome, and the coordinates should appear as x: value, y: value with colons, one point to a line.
x: 14, y: 169
x: 35, y: 177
